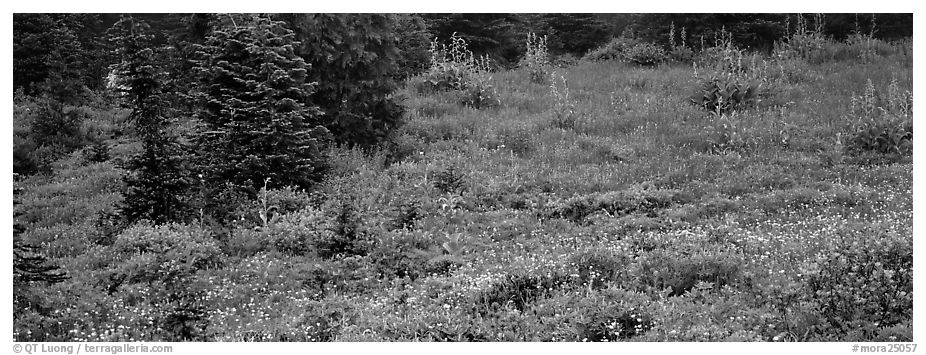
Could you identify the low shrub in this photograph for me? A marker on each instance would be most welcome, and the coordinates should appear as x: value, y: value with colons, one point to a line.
x: 865, y: 280
x: 403, y: 254
x: 145, y: 253
x: 612, y: 315
x: 455, y: 68
x: 324, y: 320
x: 682, y: 55
x: 596, y: 269
x: 646, y: 54
x: 345, y: 234
x: 616, y: 49
x: 884, y: 122
x: 723, y: 94
x: 517, y: 291
x: 681, y: 267
x: 616, y: 203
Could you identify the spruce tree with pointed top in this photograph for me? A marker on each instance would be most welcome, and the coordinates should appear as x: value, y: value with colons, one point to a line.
x: 156, y: 178
x: 257, y: 121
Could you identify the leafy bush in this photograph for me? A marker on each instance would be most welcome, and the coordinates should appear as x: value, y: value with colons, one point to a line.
x: 596, y: 269
x: 866, y: 48
x: 726, y: 93
x: 679, y: 51
x: 324, y: 320
x: 616, y: 49
x: 681, y: 267
x: 884, y: 121
x: 157, y: 266
x: 455, y: 68
x: 646, y: 54
x: 681, y: 55
x: 612, y: 315
x: 884, y: 136
x: 865, y: 280
x: 96, y: 152
x: 806, y: 43
x: 616, y: 203
x: 405, y: 254
x: 518, y: 291
x: 145, y: 253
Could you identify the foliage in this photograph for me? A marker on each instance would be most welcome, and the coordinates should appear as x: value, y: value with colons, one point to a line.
x: 413, y: 45
x: 611, y: 315
x: 48, y: 56
x: 537, y: 60
x: 750, y: 29
x: 646, y: 54
x: 725, y: 94
x: 637, y: 199
x: 884, y: 121
x: 167, y: 258
x: 564, y: 111
x: 617, y: 222
x: 30, y: 269
x: 616, y: 49
x: 573, y: 34
x: 256, y: 120
x: 864, y: 283
x: 517, y: 291
x: 455, y: 68
x: 156, y: 177
x: 450, y: 181
x: 54, y: 131
x: 492, y: 35
x: 351, y: 59
x: 345, y: 235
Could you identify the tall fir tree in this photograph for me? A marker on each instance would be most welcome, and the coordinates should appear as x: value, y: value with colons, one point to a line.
x: 256, y: 120
x: 156, y: 181
x: 354, y: 58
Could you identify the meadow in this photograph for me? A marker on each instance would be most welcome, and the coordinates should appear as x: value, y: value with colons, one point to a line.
x: 593, y: 201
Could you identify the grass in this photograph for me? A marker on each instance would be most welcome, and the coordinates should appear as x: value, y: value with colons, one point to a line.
x: 619, y: 227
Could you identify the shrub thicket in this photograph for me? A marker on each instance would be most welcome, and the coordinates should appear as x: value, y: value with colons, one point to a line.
x: 883, y: 122
x: 454, y: 67
x: 616, y: 49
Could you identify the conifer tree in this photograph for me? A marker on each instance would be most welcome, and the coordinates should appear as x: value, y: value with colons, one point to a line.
x: 354, y: 58
x: 255, y: 116
x: 155, y: 181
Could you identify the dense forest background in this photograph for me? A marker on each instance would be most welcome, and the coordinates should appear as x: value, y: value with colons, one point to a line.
x: 48, y: 43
